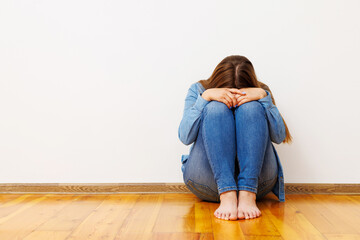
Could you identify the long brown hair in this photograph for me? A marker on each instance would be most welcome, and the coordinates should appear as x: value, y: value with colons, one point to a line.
x: 238, y: 72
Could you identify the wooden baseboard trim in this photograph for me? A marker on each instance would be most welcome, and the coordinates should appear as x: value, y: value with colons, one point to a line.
x: 113, y: 188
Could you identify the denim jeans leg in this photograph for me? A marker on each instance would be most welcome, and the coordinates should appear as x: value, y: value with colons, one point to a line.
x: 198, y: 175
x: 218, y: 131
x: 252, y: 136
x: 269, y: 172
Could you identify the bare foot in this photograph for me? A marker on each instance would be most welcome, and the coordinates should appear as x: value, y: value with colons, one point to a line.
x: 228, y: 206
x: 247, y: 205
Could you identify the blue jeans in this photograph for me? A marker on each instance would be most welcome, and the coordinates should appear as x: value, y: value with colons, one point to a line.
x: 232, y: 151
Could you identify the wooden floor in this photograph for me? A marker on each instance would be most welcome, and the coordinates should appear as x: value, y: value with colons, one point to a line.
x: 174, y: 216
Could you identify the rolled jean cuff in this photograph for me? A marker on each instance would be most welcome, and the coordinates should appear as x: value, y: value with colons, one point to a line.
x: 250, y: 189
x: 225, y: 189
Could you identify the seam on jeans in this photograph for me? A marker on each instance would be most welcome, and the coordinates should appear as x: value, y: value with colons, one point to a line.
x: 247, y: 187
x: 191, y: 183
x: 203, y: 185
x: 225, y: 188
x: 264, y: 153
x: 204, y: 139
x: 205, y: 142
x: 266, y: 181
x: 262, y: 190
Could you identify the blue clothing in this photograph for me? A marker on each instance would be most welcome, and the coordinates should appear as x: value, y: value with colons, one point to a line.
x: 211, y: 168
x: 189, y: 130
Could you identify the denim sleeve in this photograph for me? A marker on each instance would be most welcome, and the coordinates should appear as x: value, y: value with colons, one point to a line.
x: 190, y: 122
x: 275, y: 121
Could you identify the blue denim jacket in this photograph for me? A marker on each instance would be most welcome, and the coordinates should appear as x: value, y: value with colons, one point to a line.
x: 189, y: 127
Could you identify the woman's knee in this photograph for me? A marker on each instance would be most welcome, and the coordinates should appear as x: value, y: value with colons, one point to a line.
x: 216, y: 108
x: 250, y: 109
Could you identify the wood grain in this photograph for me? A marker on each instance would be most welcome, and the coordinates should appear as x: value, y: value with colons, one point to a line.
x: 173, y: 216
x: 106, y: 188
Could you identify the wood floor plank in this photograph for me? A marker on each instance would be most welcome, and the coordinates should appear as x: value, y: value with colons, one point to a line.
x: 177, y: 214
x: 105, y: 221
x: 224, y: 229
x: 5, y: 199
x: 53, y: 235
x: 260, y: 237
x: 342, y: 236
x: 141, y: 220
x: 320, y: 214
x: 203, y: 217
x: 173, y: 216
x: 182, y: 236
x: 261, y: 226
x: 73, y: 214
x: 345, y: 211
x: 15, y: 204
x: 291, y: 223
x: 18, y: 205
x: 353, y: 202
x: 355, y: 199
x: 31, y: 214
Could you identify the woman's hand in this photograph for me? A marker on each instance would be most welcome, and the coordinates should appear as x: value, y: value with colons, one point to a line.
x: 251, y: 94
x: 224, y: 95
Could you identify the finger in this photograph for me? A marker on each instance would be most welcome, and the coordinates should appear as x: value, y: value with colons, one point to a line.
x: 239, y: 99
x: 229, y: 100
x: 243, y: 101
x: 241, y: 91
x: 233, y: 99
x: 244, y: 90
x: 238, y: 91
x: 225, y: 101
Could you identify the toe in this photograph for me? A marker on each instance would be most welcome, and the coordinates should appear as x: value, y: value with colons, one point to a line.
x: 233, y: 216
x: 241, y: 215
x: 258, y: 213
x: 247, y: 216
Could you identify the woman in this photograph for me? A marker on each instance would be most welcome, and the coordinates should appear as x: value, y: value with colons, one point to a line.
x: 232, y: 120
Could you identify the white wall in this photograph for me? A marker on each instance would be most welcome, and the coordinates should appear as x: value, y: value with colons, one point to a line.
x: 93, y: 91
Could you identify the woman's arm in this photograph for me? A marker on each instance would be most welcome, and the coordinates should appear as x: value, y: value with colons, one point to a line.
x: 189, y: 125
x: 276, y: 123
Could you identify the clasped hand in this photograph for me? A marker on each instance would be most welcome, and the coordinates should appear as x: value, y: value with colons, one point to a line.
x: 234, y: 97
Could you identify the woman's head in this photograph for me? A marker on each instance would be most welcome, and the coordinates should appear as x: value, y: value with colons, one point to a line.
x: 234, y: 71
x: 237, y: 71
